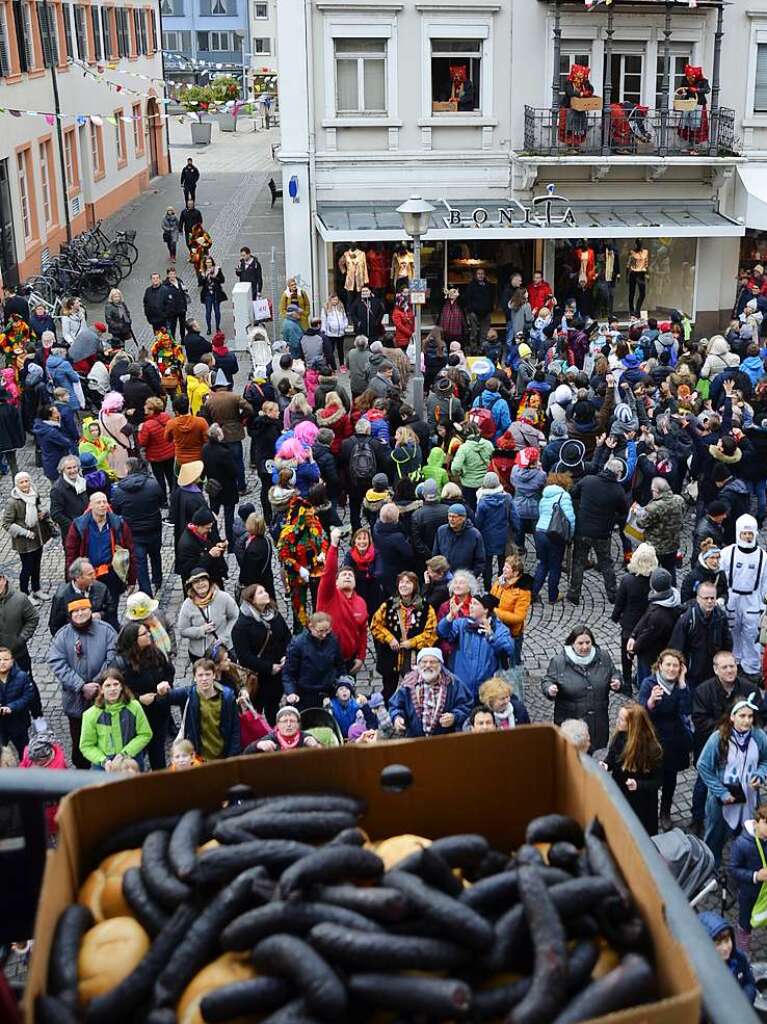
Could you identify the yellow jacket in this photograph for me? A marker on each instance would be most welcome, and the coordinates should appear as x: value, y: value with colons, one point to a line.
x: 302, y: 300
x: 196, y: 390
x: 388, y: 624
x: 514, y: 605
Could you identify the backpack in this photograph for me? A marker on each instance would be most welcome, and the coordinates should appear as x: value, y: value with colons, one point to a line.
x: 484, y: 421
x: 559, y: 525
x: 362, y: 462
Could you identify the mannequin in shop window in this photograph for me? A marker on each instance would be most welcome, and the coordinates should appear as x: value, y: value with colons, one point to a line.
x: 462, y: 92
x: 693, y: 124
x: 354, y: 265
x: 377, y: 277
x: 573, y: 124
x: 587, y: 275
x: 608, y: 269
x: 402, y: 267
x: 639, y: 266
x: 451, y: 319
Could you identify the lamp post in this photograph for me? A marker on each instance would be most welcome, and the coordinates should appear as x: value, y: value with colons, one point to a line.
x: 415, y: 214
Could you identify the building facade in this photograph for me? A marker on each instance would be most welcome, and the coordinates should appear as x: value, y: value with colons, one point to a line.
x: 460, y: 102
x: 106, y: 145
x: 214, y: 32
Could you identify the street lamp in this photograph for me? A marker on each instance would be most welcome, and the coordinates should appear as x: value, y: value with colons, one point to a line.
x: 415, y: 213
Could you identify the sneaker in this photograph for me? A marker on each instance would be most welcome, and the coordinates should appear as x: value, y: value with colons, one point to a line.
x: 42, y: 595
x: 572, y: 599
x: 33, y: 600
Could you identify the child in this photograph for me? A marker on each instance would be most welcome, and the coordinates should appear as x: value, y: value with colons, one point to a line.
x: 122, y: 763
x: 722, y: 935
x: 344, y: 705
x: 435, y: 470
x: 384, y: 724
x: 43, y: 751
x: 748, y: 871
x: 182, y: 756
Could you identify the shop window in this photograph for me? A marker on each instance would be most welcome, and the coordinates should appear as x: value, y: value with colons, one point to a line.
x: 360, y: 76
x: 456, y: 70
x: 567, y: 60
x: 676, y: 79
x: 626, y: 77
x: 760, y: 82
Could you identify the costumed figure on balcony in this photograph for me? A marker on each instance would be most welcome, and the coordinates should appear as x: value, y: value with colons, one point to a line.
x: 573, y: 124
x: 693, y: 124
x: 462, y: 91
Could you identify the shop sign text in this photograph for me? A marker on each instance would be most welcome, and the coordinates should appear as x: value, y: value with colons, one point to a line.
x: 549, y: 210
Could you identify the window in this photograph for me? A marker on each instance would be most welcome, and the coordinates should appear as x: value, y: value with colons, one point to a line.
x: 166, y: 8
x: 360, y: 76
x: 456, y: 68
x: 97, y: 151
x: 263, y: 46
x: 81, y: 33
x: 567, y: 60
x: 138, y: 129
x: 218, y: 42
x: 70, y: 162
x: 219, y: 7
x: 139, y: 26
x: 25, y: 185
x: 122, y: 153
x: 260, y: 11
x: 676, y: 77
x: 151, y: 35
x: 24, y: 36
x: 46, y: 165
x: 760, y: 83
x: 106, y: 33
x: 46, y: 19
x: 626, y: 77
x: 98, y: 45
x: 181, y: 42
x: 5, y: 53
x: 123, y: 32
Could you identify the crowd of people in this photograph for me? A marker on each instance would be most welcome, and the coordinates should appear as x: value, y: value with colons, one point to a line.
x: 409, y: 547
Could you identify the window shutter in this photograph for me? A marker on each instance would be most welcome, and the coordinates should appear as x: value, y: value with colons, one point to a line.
x: 760, y: 84
x: 105, y: 33
x: 98, y: 43
x: 5, y: 59
x: 46, y: 19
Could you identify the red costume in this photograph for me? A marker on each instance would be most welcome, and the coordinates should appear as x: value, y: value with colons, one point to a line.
x: 349, y: 614
x: 573, y: 124
x: 378, y: 276
x: 539, y: 294
x: 693, y: 124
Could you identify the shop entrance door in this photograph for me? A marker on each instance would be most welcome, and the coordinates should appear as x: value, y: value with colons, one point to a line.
x: 8, y: 262
x: 153, y: 122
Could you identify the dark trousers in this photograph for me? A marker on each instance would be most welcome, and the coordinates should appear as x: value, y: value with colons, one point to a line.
x: 550, y: 553
x: 668, y: 787
x: 158, y: 716
x: 148, y: 552
x: 601, y: 546
x: 165, y: 477
x: 30, y: 570
x: 604, y: 296
x: 488, y: 577
x: 627, y: 667
x: 17, y: 736
x: 212, y: 310
x: 177, y: 321
x: 470, y: 496
x: 8, y: 462
x: 521, y: 530
x: 115, y: 586
x: 78, y: 760
x: 190, y: 192
x: 215, y: 505
x: 668, y: 562
x: 266, y: 483
x: 235, y: 447
x: 24, y: 662
x: 638, y: 287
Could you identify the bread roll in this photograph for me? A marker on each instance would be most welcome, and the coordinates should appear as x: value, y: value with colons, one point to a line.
x: 102, y: 890
x: 396, y: 848
x: 109, y: 952
x: 227, y: 968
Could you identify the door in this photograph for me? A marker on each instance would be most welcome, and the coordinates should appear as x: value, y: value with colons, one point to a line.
x: 626, y: 77
x: 87, y: 174
x: 8, y: 263
x: 153, y: 124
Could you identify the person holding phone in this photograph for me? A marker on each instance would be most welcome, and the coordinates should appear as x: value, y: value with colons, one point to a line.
x: 733, y: 766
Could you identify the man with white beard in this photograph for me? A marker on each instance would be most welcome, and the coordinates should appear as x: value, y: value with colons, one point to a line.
x: 430, y: 700
x: 744, y: 565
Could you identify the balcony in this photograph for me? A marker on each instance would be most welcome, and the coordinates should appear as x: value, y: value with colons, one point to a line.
x: 630, y: 132
x: 221, y: 56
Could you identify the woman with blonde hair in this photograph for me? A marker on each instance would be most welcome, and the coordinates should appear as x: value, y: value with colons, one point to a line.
x: 334, y: 322
x: 513, y: 590
x: 117, y: 316
x: 72, y: 319
x: 631, y: 603
x: 295, y: 296
x: 634, y: 759
x: 406, y: 454
x: 297, y: 410
x: 255, y: 555
x: 508, y: 710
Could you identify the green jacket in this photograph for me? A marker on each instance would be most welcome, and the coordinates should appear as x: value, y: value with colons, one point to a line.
x: 435, y: 468
x: 114, y: 729
x: 471, y: 461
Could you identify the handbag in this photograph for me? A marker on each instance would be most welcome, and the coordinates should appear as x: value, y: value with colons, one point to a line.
x: 632, y: 529
x: 559, y: 524
x: 261, y: 310
x: 120, y: 562
x: 213, y: 488
x: 759, y: 911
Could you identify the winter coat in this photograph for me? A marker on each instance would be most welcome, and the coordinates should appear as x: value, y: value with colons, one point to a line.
x: 458, y: 702
x: 66, y: 504
x: 12, y: 434
x: 424, y: 524
x: 471, y: 460
x: 118, y: 319
x: 367, y: 316
x: 745, y: 862
x: 222, y: 611
x: 76, y: 541
x: 704, y: 528
x: 477, y: 657
x: 16, y: 693
x: 192, y: 553
x: 312, y: 666
x: 583, y: 692
x: 434, y: 468
x: 699, y: 639
x: 357, y: 362
x: 406, y: 462
x: 151, y: 437
x: 53, y: 444
x: 662, y: 521
x: 188, y: 434
x: 188, y: 697
x: 631, y: 602
x: 718, y: 359
x: 220, y: 466
x: 710, y: 700
x: 228, y: 410
x: 98, y: 594
x: 258, y: 645
x: 600, y: 500
x: 700, y: 574
x: 77, y: 657
x: 249, y: 272
x: 18, y: 620
x: 753, y: 367
x: 14, y: 520
x: 120, y: 728
x: 552, y: 495
x: 386, y: 625
x: 404, y: 325
x: 653, y: 631
x: 264, y: 432
x: 514, y: 602
x: 197, y: 392
x: 527, y: 484
x: 64, y: 375
x: 255, y: 561
x: 671, y: 719
x: 137, y: 498
x: 195, y: 347
x: 498, y: 408
x: 644, y: 799
x: 136, y: 392
x: 463, y: 549
x: 494, y: 519
x: 175, y: 297
x: 212, y: 285
x: 154, y: 305
x: 395, y: 551
x: 443, y: 409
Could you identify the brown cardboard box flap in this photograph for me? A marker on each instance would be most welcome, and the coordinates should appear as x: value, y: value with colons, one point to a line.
x: 491, y: 783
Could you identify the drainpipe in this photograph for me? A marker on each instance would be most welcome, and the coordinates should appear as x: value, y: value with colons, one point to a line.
x: 714, y: 108
x: 59, y: 133
x: 664, y: 125
x: 555, y: 78
x: 607, y: 84
x: 309, y: 30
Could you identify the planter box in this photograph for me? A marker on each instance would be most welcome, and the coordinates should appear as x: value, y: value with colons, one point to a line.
x: 201, y: 132
x: 227, y: 122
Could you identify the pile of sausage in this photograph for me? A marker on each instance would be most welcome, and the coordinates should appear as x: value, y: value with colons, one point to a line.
x: 331, y: 927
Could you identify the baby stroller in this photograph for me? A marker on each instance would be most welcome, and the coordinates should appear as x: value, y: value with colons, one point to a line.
x: 321, y: 724
x: 628, y: 126
x: 691, y: 863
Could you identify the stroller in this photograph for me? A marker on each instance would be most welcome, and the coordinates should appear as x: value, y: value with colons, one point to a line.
x: 629, y: 125
x: 691, y: 863
x: 319, y: 723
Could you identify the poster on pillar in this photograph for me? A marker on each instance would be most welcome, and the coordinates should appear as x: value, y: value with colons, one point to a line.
x: 418, y: 287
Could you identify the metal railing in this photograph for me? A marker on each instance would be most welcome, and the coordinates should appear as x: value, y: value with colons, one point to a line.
x: 625, y: 130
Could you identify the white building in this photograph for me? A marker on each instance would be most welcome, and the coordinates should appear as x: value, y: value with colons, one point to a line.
x: 107, y: 144
x: 263, y: 36
x: 367, y: 121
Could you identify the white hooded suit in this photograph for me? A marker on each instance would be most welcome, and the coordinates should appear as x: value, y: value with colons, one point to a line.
x: 745, y: 569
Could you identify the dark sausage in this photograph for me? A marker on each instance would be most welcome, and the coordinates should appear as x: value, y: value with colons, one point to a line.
x: 184, y: 840
x: 385, y: 952
x: 554, y: 828
x: 306, y: 826
x: 378, y: 902
x: 434, y: 997
x: 243, y: 997
x: 150, y: 914
x: 631, y: 983
x: 458, y: 921
x: 548, y: 990
x: 290, y: 918
x: 292, y: 958
x: 156, y: 872
x: 227, y: 861
x: 73, y: 923
x: 330, y: 864
x: 501, y: 890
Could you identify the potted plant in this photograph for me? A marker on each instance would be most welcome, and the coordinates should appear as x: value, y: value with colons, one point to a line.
x: 226, y: 92
x: 197, y: 99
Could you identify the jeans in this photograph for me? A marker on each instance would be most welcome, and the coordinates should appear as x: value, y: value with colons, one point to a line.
x: 717, y: 831
x: 668, y: 562
x: 228, y: 519
x: 758, y: 490
x: 163, y: 473
x: 177, y: 320
x: 8, y: 461
x: 211, y: 306
x: 235, y: 447
x: 638, y: 287
x: 522, y: 528
x: 30, y: 570
x: 601, y: 546
x: 550, y: 553
x: 148, y: 552
x: 699, y: 795
x: 190, y: 192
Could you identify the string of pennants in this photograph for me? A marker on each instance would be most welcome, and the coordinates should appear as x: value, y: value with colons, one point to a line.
x: 592, y: 4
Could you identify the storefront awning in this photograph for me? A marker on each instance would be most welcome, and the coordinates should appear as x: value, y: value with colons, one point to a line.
x: 475, y: 218
x: 752, y: 195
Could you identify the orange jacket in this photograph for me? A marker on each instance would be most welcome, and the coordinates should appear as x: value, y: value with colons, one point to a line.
x: 513, y: 607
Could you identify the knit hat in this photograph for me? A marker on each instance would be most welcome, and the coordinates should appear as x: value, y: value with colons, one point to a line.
x: 246, y: 509
x: 660, y: 585
x: 524, y: 351
x: 558, y: 429
x: 200, y: 369
x: 571, y: 456
x: 87, y: 461
x: 78, y: 605
x: 100, y: 327
x: 428, y: 490
x: 625, y: 415
x: 457, y: 510
x: 348, y: 682
x: 527, y: 457
x: 203, y: 517
x: 288, y: 709
x: 488, y: 601
x: 563, y: 395
x: 375, y: 700
x: 490, y: 481
x: 221, y: 380
x: 443, y: 385
x: 380, y: 482
x: 376, y: 347
x: 40, y: 747
x: 325, y: 435
x: 430, y: 652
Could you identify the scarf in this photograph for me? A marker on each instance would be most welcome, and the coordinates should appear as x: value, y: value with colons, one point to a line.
x: 429, y: 700
x: 742, y: 762
x: 159, y: 635
x: 196, y: 533
x: 30, y: 511
x: 285, y: 742
x: 203, y: 602
x: 363, y: 560
x: 251, y: 612
x: 580, y: 659
x: 667, y: 685
x: 505, y: 719
x: 78, y: 483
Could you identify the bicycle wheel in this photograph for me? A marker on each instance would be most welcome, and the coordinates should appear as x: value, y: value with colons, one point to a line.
x: 91, y: 245
x: 122, y: 260
x: 127, y: 249
x: 93, y: 286
x: 113, y: 274
x: 42, y: 288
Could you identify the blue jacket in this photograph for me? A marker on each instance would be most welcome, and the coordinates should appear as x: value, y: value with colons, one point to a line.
x: 753, y: 367
x: 464, y: 549
x: 669, y: 716
x: 17, y: 694
x: 68, y: 422
x: 64, y: 375
x: 53, y: 444
x: 738, y: 964
x: 346, y: 715
x: 527, y: 484
x: 498, y: 407
x: 744, y: 862
x: 553, y: 495
x: 550, y: 454
x: 477, y: 657
x: 230, y: 719
x: 396, y: 553
x: 493, y: 520
x: 292, y: 332
x: 458, y: 702
x: 711, y: 771
x: 312, y: 665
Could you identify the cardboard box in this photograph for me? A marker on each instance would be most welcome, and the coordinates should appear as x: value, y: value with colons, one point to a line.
x: 492, y: 783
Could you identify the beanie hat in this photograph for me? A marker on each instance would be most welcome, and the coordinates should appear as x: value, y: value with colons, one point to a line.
x: 100, y: 327
x: 87, y: 461
x: 288, y: 709
x: 348, y: 682
x: 660, y: 584
x: 625, y: 415
x: 457, y: 510
x: 375, y: 700
x: 200, y: 369
x: 203, y: 517
x: 488, y: 601
x: 430, y: 652
x: 527, y: 457
x: 524, y: 351
x: 721, y: 473
x: 558, y: 429
x: 380, y: 482
x: 563, y: 395
x: 490, y: 481
x: 428, y: 490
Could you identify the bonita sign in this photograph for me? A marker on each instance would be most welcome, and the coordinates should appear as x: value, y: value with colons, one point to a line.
x: 549, y: 210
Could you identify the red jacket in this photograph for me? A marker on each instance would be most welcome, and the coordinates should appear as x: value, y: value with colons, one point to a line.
x: 151, y: 436
x: 538, y: 294
x: 349, y: 614
x: 76, y: 541
x: 57, y: 763
x: 335, y: 418
x: 404, y: 325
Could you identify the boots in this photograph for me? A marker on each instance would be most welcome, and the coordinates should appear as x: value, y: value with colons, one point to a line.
x: 664, y: 819
x: 743, y: 940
